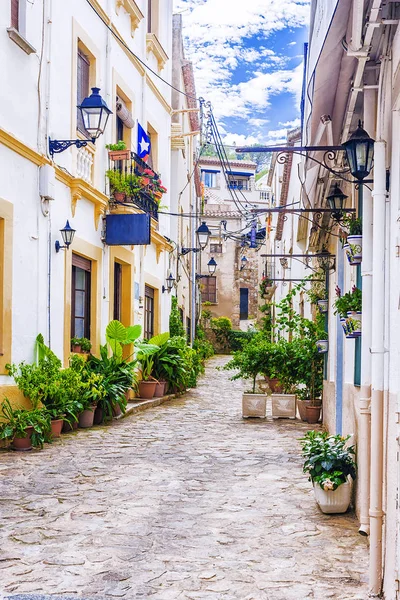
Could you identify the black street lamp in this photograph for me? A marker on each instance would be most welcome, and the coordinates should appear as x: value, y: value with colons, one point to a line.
x: 243, y: 262
x: 95, y: 113
x: 203, y: 235
x: 170, y: 280
x: 337, y: 201
x: 360, y: 153
x: 212, y: 266
x: 326, y: 260
x: 67, y: 234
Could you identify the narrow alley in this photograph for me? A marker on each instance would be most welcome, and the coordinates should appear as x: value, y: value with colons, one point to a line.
x: 186, y: 500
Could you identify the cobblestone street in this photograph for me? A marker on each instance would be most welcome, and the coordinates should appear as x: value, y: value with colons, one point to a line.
x: 186, y: 500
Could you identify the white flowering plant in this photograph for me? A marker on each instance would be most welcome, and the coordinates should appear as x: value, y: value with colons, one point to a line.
x: 328, y: 459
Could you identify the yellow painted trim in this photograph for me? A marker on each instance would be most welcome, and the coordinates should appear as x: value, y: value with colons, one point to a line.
x: 133, y: 11
x: 15, y: 396
x: 94, y: 254
x: 153, y: 45
x: 127, y: 259
x: 158, y: 94
x: 96, y: 5
x: 159, y: 241
x: 156, y: 284
x: 9, y: 140
x: 82, y: 189
x: 6, y: 272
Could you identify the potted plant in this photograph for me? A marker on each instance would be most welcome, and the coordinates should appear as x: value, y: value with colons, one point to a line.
x: 354, y: 239
x: 81, y: 345
x: 329, y: 463
x: 322, y: 346
x: 26, y: 428
x: 119, y: 184
x: 147, y: 383
x: 249, y: 363
x: 118, y: 151
x: 349, y: 308
x: 266, y: 287
x: 160, y: 358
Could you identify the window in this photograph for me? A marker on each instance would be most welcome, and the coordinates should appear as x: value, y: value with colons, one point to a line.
x: 83, y: 72
x: 209, y: 179
x: 239, y: 184
x: 15, y: 14
x: 152, y: 16
x: 120, y: 129
x: 244, y: 303
x: 117, y: 291
x: 264, y: 196
x: 148, y: 312
x: 215, y: 248
x: 80, y: 302
x: 209, y: 289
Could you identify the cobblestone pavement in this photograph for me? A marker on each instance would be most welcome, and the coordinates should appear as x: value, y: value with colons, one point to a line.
x: 186, y: 500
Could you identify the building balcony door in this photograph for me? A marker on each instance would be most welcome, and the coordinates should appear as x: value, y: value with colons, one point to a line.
x: 244, y: 304
x: 148, y: 312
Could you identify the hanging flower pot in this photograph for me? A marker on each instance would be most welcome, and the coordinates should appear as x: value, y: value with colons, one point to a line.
x: 323, y: 306
x: 119, y: 196
x: 355, y: 244
x: 322, y: 346
x: 354, y: 322
x: 119, y: 154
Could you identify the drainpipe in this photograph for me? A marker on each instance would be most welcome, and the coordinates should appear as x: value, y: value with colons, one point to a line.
x: 364, y: 433
x: 377, y: 368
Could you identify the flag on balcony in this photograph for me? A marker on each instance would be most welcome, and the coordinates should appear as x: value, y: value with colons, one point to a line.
x: 144, y: 143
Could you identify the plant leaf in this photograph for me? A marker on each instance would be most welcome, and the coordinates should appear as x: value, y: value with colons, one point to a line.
x: 160, y: 339
x: 116, y: 331
x: 133, y: 332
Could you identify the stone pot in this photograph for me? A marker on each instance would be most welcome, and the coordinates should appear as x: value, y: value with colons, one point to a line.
x: 23, y: 444
x: 254, y: 405
x: 160, y: 389
x: 283, y: 406
x: 86, y: 417
x: 333, y: 501
x: 56, y: 426
x: 301, y: 405
x: 313, y: 413
x: 147, y: 389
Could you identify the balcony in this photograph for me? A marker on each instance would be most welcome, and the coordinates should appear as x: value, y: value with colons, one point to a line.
x: 133, y: 183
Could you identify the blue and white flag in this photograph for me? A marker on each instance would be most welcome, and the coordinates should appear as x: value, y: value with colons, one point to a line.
x: 144, y: 143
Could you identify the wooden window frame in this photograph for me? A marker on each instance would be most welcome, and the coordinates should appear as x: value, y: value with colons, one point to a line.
x: 15, y: 21
x: 82, y: 58
x: 79, y: 262
x: 208, y: 295
x: 149, y: 306
x: 117, y: 309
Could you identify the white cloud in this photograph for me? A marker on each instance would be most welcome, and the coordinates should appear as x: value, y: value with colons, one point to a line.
x: 236, y: 139
x: 291, y: 124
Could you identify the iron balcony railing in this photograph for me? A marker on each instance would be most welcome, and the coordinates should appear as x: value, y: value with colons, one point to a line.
x: 122, y: 175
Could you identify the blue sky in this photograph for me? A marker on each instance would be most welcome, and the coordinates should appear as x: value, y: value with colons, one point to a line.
x: 248, y: 60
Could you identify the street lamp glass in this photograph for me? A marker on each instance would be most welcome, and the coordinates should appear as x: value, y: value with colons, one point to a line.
x: 336, y: 201
x: 326, y: 261
x: 95, y: 113
x: 212, y: 266
x: 67, y: 234
x: 170, y: 282
x: 203, y: 235
x: 360, y: 153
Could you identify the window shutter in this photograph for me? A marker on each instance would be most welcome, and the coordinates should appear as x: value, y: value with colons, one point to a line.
x: 81, y: 262
x: 149, y: 3
x: 82, y: 87
x: 15, y: 14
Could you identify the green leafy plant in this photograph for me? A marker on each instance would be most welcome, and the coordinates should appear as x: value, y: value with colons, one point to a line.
x: 147, y: 354
x: 120, y: 145
x: 118, y: 336
x: 17, y: 420
x: 251, y: 361
x: 265, y: 284
x: 351, y: 301
x: 176, y: 328
x: 353, y: 225
x: 221, y: 327
x: 328, y: 459
x: 83, y: 342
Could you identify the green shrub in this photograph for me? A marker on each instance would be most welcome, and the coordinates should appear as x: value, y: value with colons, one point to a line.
x: 175, y: 322
x: 238, y: 339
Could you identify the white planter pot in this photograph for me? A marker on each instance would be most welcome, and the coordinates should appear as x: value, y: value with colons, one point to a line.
x: 354, y: 323
x: 333, y: 501
x: 323, y: 306
x: 322, y: 346
x: 283, y: 406
x: 254, y: 405
x: 350, y: 257
x: 355, y: 243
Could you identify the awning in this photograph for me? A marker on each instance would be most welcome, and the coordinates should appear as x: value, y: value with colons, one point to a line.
x: 240, y: 173
x: 210, y: 170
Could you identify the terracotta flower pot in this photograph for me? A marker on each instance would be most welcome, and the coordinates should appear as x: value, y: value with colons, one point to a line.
x: 119, y: 154
x: 160, y: 389
x: 119, y: 196
x: 23, y: 444
x: 86, y: 417
x: 56, y: 426
x: 116, y: 410
x: 301, y: 405
x: 67, y: 427
x: 98, y: 416
x: 313, y: 413
x: 147, y: 389
x: 76, y: 348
